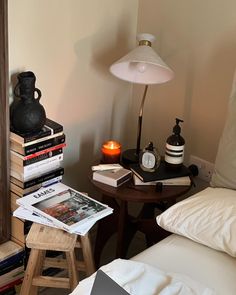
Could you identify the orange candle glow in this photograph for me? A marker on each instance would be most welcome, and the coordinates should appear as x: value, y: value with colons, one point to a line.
x: 111, y: 152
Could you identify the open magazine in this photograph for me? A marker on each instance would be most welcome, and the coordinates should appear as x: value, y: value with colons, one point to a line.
x: 65, y: 207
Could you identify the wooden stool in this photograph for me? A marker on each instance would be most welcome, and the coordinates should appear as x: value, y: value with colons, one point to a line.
x: 41, y: 238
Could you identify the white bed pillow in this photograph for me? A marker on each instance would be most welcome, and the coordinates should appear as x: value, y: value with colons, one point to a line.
x: 208, y: 217
x: 224, y: 174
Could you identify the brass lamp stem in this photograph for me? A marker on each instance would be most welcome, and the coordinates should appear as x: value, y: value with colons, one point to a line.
x: 140, y: 118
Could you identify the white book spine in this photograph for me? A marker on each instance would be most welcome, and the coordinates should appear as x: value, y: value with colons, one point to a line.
x: 104, y: 179
x: 41, y: 164
x: 51, y: 181
x: 36, y: 172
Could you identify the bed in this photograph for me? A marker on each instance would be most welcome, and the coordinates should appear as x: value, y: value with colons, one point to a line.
x: 200, y: 256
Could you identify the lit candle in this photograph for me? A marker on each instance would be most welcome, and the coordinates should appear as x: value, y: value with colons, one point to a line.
x: 111, y: 152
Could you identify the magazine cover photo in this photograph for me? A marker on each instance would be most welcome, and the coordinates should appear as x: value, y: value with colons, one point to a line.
x: 69, y: 207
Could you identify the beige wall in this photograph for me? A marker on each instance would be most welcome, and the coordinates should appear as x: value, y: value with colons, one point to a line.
x: 197, y: 40
x: 69, y: 45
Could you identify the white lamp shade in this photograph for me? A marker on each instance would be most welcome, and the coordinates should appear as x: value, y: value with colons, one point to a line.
x: 142, y: 66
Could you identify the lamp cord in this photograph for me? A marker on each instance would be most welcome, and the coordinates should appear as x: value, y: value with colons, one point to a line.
x: 140, y: 119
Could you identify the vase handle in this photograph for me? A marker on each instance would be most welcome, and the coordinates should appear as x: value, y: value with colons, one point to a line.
x: 16, y: 90
x: 39, y: 94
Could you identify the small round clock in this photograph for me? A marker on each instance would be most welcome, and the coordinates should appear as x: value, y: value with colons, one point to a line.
x: 149, y: 159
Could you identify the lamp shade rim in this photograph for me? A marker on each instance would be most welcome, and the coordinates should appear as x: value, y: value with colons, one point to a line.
x: 145, y: 82
x: 142, y: 65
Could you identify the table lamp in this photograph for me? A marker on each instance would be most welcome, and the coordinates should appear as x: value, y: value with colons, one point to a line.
x: 142, y: 66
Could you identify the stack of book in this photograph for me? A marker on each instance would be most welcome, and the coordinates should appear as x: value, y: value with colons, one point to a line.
x: 62, y: 207
x: 11, y: 267
x: 161, y: 175
x: 36, y: 161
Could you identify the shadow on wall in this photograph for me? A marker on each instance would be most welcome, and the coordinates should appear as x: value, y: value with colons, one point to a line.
x: 102, y: 58
x: 76, y: 173
x: 96, y: 103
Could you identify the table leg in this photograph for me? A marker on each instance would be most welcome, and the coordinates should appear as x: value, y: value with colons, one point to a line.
x: 146, y: 223
x: 122, y: 222
x: 106, y: 228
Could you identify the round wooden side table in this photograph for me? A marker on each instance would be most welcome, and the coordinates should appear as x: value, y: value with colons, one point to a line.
x: 126, y: 225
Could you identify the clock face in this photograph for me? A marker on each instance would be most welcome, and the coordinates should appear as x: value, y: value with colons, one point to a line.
x: 148, y: 160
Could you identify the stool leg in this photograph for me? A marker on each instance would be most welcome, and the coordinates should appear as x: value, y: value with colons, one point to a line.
x: 87, y: 254
x: 34, y: 267
x: 72, y: 269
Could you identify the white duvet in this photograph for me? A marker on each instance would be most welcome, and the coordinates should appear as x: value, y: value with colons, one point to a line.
x: 142, y: 279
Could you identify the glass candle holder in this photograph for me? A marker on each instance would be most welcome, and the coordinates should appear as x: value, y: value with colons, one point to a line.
x: 111, y: 151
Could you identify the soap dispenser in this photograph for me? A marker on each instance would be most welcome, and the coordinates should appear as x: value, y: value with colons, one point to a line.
x: 174, y: 152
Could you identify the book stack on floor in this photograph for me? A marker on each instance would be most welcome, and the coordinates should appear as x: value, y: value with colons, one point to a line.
x: 161, y: 175
x: 36, y: 161
x: 11, y: 267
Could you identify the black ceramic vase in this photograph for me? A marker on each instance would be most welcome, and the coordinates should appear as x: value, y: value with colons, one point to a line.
x: 27, y: 114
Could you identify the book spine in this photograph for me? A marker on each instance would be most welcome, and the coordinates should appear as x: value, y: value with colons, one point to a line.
x: 13, y: 259
x: 51, y: 181
x: 54, y: 126
x: 45, y: 132
x: 21, y: 138
x: 19, y: 161
x: 12, y: 284
x: 42, y: 157
x: 45, y: 177
x: 39, y: 164
x: 44, y: 145
x: 20, y: 192
x: 43, y: 139
x: 139, y: 176
x: 51, y: 149
x: 17, y: 273
x: 8, y: 268
x: 26, y: 176
x: 51, y: 127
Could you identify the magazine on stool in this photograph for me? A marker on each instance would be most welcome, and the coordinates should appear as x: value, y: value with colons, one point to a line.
x: 65, y: 207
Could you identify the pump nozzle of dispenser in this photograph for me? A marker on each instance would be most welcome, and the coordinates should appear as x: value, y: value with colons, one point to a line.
x: 177, y: 128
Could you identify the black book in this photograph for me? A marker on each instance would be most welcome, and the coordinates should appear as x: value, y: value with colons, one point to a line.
x: 12, y: 259
x: 11, y: 267
x: 161, y: 173
x: 19, y: 159
x: 30, y: 149
x: 50, y: 127
x: 42, y: 178
x: 54, y: 126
